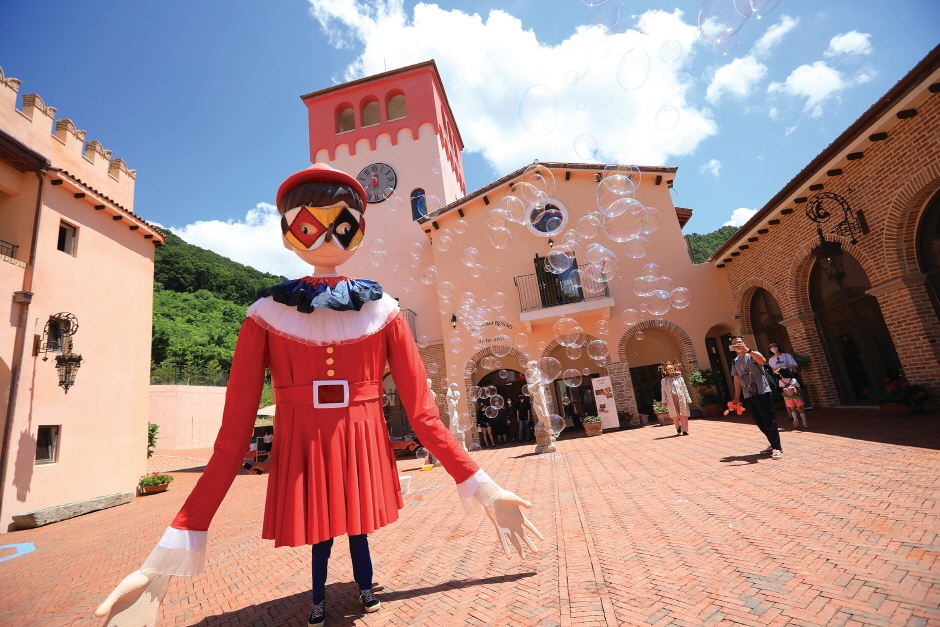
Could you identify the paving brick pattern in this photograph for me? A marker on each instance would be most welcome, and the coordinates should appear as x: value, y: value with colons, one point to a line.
x: 641, y: 528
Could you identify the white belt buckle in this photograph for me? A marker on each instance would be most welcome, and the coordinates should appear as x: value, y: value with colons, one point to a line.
x: 316, y: 396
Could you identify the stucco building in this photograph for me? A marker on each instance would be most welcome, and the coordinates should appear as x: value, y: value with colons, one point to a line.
x: 76, y: 277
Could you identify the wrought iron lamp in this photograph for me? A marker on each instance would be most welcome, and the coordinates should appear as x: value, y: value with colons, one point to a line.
x: 829, y: 252
x: 67, y: 366
x: 57, y: 338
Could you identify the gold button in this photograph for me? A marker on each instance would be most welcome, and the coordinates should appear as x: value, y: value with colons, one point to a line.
x: 329, y: 361
x: 329, y: 373
x: 329, y: 349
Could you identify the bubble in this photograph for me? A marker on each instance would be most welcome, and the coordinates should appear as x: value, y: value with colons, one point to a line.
x: 491, y: 412
x: 558, y: 261
x: 432, y: 204
x: 376, y: 245
x: 443, y: 243
x: 547, y: 219
x: 643, y: 285
x: 556, y: 424
x: 497, y: 401
x: 414, y: 262
x: 538, y: 110
x: 680, y: 298
x: 639, y: 335
x: 572, y: 377
x: 501, y: 346
x: 475, y: 447
x: 585, y: 146
x: 550, y: 368
x: 395, y: 203
x: 385, y: 400
x: 445, y: 289
x: 601, y: 263
x: 542, y: 344
x: 470, y: 256
x: 612, y: 189
x: 488, y: 362
x: 597, y: 349
x: 727, y: 46
x: 460, y: 226
x: 720, y: 19
x: 600, y: 21
x: 637, y: 247
x: 601, y: 327
x: 667, y: 118
x: 559, y: 146
x: 491, y: 389
x: 473, y: 392
x: 573, y: 352
x: 467, y: 299
x: 511, y: 95
x: 423, y: 455
x: 496, y: 219
x: 670, y: 51
x: 624, y: 219
x: 586, y: 371
x: 594, y: 3
x: 589, y: 226
x: 579, y: 105
x: 501, y: 238
x: 436, y: 166
x: 630, y: 317
x: 541, y: 178
x: 513, y: 208
x: 503, y: 374
x: 763, y: 7
x: 422, y: 341
x: 567, y: 332
x: 476, y: 271
x: 663, y: 283
x: 651, y: 269
x: 658, y: 303
x: 428, y: 275
x: 433, y: 368
x: 463, y: 422
x: 634, y: 69
x: 415, y: 249
x: 571, y: 77
x: 379, y: 258
x: 456, y: 345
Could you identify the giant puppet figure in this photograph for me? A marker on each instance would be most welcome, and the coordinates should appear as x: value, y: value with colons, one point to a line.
x: 326, y: 340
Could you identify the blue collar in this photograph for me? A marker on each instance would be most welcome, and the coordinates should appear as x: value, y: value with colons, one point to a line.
x: 336, y: 293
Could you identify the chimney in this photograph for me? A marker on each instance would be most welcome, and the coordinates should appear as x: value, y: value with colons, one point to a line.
x: 37, y: 111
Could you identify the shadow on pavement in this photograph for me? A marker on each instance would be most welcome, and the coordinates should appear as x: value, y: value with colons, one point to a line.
x: 747, y: 459
x: 342, y: 605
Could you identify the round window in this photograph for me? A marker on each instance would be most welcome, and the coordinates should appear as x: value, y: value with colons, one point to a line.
x: 546, y: 218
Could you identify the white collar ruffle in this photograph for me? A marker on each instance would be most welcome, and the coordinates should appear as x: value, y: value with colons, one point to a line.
x: 324, y: 326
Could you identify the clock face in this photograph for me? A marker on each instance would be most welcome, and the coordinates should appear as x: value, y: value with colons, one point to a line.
x: 377, y: 178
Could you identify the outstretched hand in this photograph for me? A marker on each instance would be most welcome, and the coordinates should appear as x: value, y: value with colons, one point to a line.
x: 511, y: 524
x: 135, y: 602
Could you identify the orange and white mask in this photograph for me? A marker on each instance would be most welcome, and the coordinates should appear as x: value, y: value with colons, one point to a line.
x: 308, y: 228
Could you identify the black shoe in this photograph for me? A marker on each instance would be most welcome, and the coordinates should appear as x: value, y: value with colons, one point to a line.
x: 685, y: 433
x: 369, y: 602
x: 678, y: 430
x: 317, y: 615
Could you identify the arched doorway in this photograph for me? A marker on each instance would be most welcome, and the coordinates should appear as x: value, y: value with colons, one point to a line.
x: 580, y: 399
x: 717, y: 341
x: 853, y: 330
x: 645, y: 353
x: 928, y: 250
x: 765, y: 320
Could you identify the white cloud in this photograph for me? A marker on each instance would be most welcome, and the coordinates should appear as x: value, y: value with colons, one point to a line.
x: 816, y: 83
x: 480, y: 59
x: 852, y: 42
x: 740, y: 216
x: 713, y: 166
x: 738, y: 78
x: 254, y: 241
x: 774, y: 35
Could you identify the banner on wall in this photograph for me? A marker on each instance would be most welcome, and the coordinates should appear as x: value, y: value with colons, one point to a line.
x: 606, y: 405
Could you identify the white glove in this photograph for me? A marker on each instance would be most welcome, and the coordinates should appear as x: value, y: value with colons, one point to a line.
x: 135, y: 602
x: 503, y: 508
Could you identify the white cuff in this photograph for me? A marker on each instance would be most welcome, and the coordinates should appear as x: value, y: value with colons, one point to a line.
x: 180, y: 552
x: 468, y: 488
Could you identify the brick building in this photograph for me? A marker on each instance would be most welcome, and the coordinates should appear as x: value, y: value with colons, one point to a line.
x: 878, y: 181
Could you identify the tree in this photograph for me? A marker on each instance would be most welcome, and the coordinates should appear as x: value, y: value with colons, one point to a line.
x: 704, y: 245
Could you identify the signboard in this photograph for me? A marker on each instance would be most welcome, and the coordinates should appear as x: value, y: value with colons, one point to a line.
x: 606, y: 405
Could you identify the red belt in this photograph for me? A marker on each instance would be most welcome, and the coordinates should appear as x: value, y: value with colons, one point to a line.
x: 328, y: 394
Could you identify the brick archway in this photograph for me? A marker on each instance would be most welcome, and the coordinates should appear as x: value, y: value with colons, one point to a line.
x: 686, y: 352
x: 548, y: 350
x: 903, y: 219
x: 802, y: 266
x: 743, y: 301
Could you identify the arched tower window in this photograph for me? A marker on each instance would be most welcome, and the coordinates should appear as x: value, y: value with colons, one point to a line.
x: 765, y: 322
x: 397, y: 108
x: 418, y: 204
x: 345, y: 119
x: 928, y: 249
x: 371, y: 113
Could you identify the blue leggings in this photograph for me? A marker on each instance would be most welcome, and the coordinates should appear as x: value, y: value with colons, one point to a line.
x: 361, y: 563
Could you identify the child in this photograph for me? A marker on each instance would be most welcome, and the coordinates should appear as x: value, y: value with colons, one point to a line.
x: 791, y: 396
x: 675, y: 395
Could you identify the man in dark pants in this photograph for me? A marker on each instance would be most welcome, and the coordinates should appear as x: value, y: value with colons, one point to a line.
x: 750, y: 381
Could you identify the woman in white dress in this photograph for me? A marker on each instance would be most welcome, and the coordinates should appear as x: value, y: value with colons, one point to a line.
x: 675, y: 395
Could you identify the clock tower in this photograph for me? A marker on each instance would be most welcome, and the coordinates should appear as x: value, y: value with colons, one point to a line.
x: 396, y: 134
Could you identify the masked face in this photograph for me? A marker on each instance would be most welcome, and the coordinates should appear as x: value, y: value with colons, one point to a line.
x: 670, y: 370
x: 309, y: 228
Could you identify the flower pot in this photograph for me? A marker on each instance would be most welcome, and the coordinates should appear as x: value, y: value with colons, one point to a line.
x: 593, y: 428
x: 664, y: 418
x: 154, y: 489
x: 896, y: 409
x: 713, y: 409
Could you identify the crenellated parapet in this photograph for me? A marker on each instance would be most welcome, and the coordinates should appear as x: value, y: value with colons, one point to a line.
x: 63, y: 143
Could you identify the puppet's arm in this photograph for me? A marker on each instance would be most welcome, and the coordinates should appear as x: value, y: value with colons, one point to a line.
x: 476, y: 489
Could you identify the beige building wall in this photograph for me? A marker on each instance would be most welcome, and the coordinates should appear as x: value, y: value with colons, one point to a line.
x: 106, y: 283
x: 189, y: 416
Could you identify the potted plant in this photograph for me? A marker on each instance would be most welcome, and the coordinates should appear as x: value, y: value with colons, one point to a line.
x: 706, y: 381
x: 154, y: 482
x: 662, y: 413
x: 592, y: 425
x: 898, y: 396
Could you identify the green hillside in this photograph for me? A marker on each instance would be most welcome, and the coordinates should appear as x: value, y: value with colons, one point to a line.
x: 704, y: 245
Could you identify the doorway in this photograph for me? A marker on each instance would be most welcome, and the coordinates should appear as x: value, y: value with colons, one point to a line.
x: 647, y: 387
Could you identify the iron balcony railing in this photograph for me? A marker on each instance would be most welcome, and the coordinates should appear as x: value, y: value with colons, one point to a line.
x: 543, y: 290
x: 8, y: 249
x: 174, y: 374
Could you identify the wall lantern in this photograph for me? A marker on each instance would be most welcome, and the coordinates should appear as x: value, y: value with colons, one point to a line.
x: 57, y: 338
x: 453, y: 321
x: 829, y: 252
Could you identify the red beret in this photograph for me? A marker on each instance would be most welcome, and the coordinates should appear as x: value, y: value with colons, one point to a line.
x: 320, y: 172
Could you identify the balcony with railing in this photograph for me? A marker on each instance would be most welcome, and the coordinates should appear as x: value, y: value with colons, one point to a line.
x: 544, y: 295
x: 8, y: 249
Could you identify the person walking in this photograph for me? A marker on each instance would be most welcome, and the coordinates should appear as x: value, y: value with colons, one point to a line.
x: 780, y: 360
x: 751, y: 383
x: 513, y: 412
x: 791, y: 396
x: 675, y: 395
x: 523, y: 413
x: 486, y: 431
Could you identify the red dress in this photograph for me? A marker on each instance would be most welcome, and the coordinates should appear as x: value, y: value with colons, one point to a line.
x: 333, y: 469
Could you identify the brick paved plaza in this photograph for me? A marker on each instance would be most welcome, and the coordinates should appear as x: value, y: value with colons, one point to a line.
x: 641, y: 528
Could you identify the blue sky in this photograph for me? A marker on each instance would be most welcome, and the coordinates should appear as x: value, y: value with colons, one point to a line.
x: 202, y: 98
